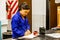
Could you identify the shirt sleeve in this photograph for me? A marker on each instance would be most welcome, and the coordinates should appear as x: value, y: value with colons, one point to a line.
x: 15, y: 28
x: 28, y: 25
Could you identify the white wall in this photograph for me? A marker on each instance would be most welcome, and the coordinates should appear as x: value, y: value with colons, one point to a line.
x: 38, y: 14
x: 3, y: 15
x: 3, y: 12
x: 57, y: 1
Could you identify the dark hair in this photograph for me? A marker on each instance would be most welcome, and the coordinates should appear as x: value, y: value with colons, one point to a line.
x: 24, y: 6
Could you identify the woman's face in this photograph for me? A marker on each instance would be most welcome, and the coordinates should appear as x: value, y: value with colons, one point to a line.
x: 25, y: 12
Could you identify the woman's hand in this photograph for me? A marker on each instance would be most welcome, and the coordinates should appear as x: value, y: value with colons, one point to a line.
x: 27, y: 32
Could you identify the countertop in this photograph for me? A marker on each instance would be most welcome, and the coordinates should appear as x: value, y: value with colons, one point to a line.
x: 42, y: 37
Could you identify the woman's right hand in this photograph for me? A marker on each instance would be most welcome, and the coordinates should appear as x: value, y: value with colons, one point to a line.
x: 27, y: 32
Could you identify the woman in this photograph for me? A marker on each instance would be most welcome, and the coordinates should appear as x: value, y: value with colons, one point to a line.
x: 19, y: 24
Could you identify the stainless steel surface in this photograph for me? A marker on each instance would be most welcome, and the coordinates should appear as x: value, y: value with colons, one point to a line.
x: 42, y: 37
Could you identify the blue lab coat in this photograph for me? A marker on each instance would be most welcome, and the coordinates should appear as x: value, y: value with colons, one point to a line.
x: 19, y: 25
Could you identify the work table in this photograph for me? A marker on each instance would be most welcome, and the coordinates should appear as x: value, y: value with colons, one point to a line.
x: 41, y: 36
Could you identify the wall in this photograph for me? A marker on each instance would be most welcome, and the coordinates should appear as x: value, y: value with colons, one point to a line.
x: 3, y: 15
x: 57, y: 1
x: 38, y: 14
x: 3, y: 12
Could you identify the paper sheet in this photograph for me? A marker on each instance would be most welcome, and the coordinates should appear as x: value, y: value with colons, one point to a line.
x: 29, y: 36
x: 55, y: 28
x: 54, y: 35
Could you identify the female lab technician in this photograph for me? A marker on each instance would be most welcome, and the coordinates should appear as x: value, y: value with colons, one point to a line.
x: 19, y: 24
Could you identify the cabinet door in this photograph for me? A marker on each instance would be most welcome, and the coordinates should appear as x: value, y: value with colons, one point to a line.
x: 30, y: 14
x: 53, y: 14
